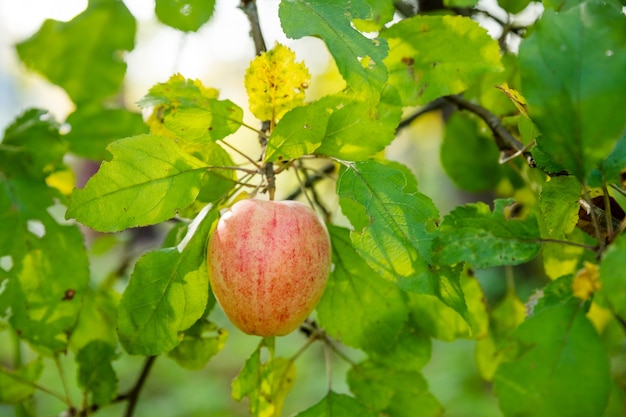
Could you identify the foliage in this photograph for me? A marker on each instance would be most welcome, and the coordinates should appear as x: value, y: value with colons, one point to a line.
x: 540, y: 133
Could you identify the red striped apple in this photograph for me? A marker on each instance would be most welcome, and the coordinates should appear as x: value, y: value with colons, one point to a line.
x: 268, y: 265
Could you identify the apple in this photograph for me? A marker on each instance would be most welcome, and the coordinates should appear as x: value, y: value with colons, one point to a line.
x: 268, y: 264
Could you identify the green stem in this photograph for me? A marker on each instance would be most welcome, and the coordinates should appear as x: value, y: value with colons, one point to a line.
x: 567, y: 242
x: 68, y: 398
x: 17, y: 377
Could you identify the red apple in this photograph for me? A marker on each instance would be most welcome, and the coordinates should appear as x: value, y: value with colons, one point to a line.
x: 268, y: 265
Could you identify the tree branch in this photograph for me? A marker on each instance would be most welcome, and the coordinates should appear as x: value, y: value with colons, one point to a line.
x: 133, y: 395
x: 436, y: 104
x: 250, y: 9
x: 505, y: 141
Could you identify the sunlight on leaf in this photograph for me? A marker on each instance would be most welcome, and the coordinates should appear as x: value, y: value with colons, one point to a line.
x: 266, y: 384
x: 392, y: 222
x: 420, y: 72
x: 167, y: 294
x: 359, y: 59
x: 82, y: 56
x: 146, y: 182
x: 359, y: 308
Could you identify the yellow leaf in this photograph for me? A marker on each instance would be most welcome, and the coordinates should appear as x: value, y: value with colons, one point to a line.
x: 275, y: 83
x: 516, y: 98
x: 586, y: 281
x: 63, y: 180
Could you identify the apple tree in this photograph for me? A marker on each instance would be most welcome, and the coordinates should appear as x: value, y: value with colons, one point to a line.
x: 534, y: 136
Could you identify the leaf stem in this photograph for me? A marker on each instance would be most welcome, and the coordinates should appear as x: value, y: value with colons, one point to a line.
x: 61, y: 370
x: 252, y: 161
x: 567, y: 242
x: 17, y: 377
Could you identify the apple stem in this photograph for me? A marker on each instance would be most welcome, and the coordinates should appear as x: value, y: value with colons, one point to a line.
x: 271, y: 180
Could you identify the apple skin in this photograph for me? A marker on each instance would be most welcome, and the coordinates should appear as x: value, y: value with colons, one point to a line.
x: 268, y: 264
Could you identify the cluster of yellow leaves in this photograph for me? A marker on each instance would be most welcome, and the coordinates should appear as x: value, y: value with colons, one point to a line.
x: 275, y: 83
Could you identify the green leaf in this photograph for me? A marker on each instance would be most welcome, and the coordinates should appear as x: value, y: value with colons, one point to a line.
x: 167, y: 294
x: 358, y: 307
x: 299, y: 132
x: 469, y: 158
x: 177, y: 92
x: 571, y: 67
x: 395, y: 392
x: 97, y: 319
x: 49, y: 267
x: 473, y: 234
x: 146, y: 182
x: 16, y: 386
x: 557, y: 292
x: 561, y: 367
x: 337, y: 405
x: 359, y: 59
x: 411, y: 351
x: 611, y: 276
x: 84, y: 55
x: 559, y: 205
x: 93, y: 128
x: 504, y: 318
x: 392, y: 222
x: 420, y: 72
x: 185, y: 15
x: 217, y: 182
x: 612, y: 167
x: 32, y: 146
x: 95, y: 372
x: 200, y: 343
x: 266, y: 384
x: 382, y: 12
x: 513, y: 6
x: 351, y: 121
x: 434, y: 318
x: 189, y: 112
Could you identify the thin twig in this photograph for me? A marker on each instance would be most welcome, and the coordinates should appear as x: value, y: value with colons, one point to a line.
x: 505, y: 141
x: 133, y: 394
x: 311, y: 180
x: 252, y: 161
x: 251, y: 11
